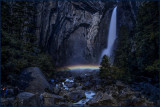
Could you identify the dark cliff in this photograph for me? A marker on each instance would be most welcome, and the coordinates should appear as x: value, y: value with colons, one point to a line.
x: 76, y: 32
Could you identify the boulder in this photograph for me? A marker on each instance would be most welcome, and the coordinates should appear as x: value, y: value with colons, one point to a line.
x: 27, y: 99
x: 102, y: 99
x: 33, y: 80
x: 75, y: 96
x: 56, y: 90
x: 69, y: 84
x: 63, y: 93
x: 95, y: 99
x: 50, y: 99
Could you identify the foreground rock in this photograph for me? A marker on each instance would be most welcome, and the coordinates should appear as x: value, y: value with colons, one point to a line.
x: 102, y: 99
x: 51, y: 99
x: 33, y: 80
x: 7, y: 101
x: 27, y: 99
x: 80, y: 90
x: 76, y: 95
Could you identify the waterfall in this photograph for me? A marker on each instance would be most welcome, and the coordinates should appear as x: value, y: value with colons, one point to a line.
x: 111, y: 35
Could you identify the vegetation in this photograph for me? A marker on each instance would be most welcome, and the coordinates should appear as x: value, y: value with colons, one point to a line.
x: 138, y: 50
x: 146, y: 37
x: 107, y: 71
x: 18, y: 47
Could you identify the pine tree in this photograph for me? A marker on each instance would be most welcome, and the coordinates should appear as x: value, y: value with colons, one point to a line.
x: 105, y: 67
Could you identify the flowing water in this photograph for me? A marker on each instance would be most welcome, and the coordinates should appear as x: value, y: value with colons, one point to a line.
x: 89, y: 95
x: 111, y: 35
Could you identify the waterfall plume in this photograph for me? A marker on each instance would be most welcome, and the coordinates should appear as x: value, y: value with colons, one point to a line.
x: 111, y: 35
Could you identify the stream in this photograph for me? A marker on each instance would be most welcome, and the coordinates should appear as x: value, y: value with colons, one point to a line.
x: 89, y: 95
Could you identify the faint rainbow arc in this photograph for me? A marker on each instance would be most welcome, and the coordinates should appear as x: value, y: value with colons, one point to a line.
x: 79, y: 67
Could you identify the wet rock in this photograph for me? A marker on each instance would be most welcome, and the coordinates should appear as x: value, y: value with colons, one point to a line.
x: 57, y: 88
x: 102, y: 99
x: 33, y: 80
x: 50, y: 99
x: 69, y: 84
x: 28, y: 99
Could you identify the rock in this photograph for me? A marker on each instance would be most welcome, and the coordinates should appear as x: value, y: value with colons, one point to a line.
x: 7, y: 101
x: 71, y: 89
x: 56, y: 90
x: 28, y: 99
x: 125, y: 94
x: 120, y: 85
x: 102, y: 99
x: 79, y: 88
x: 69, y: 84
x: 111, y: 89
x: 96, y: 80
x: 65, y: 104
x: 107, y: 100
x: 78, y: 79
x: 63, y: 93
x: 75, y: 96
x: 33, y: 80
x: 87, y: 84
x: 151, y: 91
x: 98, y: 87
x: 136, y: 102
x: 50, y: 99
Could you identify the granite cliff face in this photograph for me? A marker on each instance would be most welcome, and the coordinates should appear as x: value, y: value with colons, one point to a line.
x: 76, y: 32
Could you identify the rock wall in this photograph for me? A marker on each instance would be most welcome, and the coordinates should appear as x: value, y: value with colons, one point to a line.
x: 76, y: 32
